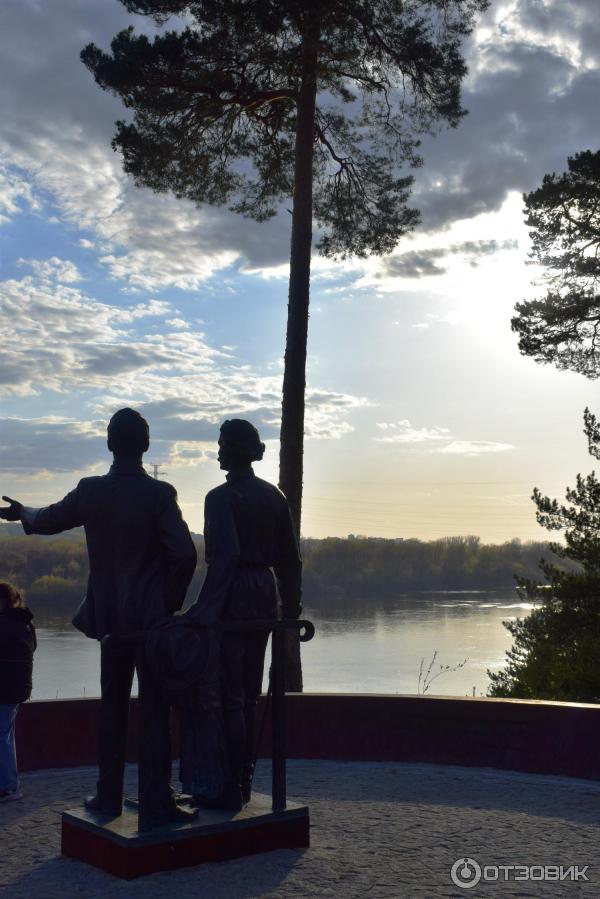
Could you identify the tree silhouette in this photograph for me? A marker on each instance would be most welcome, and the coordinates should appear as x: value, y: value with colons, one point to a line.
x: 256, y: 102
x: 555, y: 651
x: 564, y: 214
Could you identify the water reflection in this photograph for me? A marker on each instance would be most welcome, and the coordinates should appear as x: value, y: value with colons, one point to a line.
x: 378, y: 647
x: 361, y: 646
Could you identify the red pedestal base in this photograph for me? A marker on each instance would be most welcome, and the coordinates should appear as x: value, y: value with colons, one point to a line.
x: 116, y: 846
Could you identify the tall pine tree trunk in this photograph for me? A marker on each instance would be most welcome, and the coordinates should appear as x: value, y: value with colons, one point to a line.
x: 294, y: 378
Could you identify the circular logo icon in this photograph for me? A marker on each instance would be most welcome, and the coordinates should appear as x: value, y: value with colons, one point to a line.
x: 465, y: 873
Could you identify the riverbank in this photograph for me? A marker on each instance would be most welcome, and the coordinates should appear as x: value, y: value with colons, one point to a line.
x: 52, y: 571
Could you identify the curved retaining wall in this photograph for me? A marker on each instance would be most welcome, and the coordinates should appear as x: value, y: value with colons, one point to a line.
x: 539, y: 737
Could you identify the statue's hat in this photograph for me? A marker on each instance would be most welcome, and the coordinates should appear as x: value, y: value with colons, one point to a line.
x: 181, y: 656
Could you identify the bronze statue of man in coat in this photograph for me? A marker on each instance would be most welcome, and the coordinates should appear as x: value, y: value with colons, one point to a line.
x: 141, y: 559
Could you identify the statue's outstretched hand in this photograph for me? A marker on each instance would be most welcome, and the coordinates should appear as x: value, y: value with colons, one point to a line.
x: 14, y: 511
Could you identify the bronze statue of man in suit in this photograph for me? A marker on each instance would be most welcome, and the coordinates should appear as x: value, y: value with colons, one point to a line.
x: 142, y: 559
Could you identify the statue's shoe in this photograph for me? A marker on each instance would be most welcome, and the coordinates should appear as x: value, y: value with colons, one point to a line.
x: 174, y: 815
x: 96, y: 804
x: 247, y: 778
x: 230, y: 800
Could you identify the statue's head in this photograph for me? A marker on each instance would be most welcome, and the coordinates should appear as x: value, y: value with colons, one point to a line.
x: 239, y: 444
x: 128, y: 435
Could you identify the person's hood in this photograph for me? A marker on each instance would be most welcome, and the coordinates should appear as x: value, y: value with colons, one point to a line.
x: 25, y: 615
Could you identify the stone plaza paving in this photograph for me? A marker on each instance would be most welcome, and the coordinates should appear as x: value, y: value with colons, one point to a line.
x: 378, y: 830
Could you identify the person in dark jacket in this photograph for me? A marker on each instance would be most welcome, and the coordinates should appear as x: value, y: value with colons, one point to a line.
x: 17, y: 645
x: 142, y: 559
x: 252, y: 556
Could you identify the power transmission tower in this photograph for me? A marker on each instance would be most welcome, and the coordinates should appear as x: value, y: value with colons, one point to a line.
x: 156, y: 472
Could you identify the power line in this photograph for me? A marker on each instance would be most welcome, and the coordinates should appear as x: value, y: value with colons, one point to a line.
x: 427, y: 483
x: 521, y: 497
x: 426, y: 512
x: 156, y: 472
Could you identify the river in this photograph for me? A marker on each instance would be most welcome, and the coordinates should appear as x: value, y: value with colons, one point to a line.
x: 359, y: 647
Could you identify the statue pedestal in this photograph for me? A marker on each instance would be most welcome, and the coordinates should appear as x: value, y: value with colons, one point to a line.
x: 116, y: 845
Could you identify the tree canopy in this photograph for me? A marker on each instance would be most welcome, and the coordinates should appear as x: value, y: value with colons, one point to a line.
x: 215, y: 105
x: 52, y: 571
x: 563, y: 327
x: 556, y: 648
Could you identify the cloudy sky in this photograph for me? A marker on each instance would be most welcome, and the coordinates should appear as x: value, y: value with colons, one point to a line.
x: 423, y: 419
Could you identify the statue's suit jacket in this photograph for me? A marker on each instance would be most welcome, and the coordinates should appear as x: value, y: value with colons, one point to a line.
x: 141, y: 554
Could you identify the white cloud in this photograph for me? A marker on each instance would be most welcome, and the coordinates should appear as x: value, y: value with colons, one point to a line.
x: 571, y: 31
x: 404, y: 432
x: 188, y: 453
x: 326, y: 411
x: 53, y: 269
x: 50, y: 444
x: 144, y: 310
x: 56, y: 135
x: 474, y: 447
x: 58, y: 339
x: 531, y: 93
x: 14, y: 191
x: 434, y: 318
x: 182, y: 263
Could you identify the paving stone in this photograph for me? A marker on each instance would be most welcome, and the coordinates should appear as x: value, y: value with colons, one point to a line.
x: 382, y: 831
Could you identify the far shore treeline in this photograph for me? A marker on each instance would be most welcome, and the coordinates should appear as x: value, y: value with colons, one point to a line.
x: 52, y: 571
